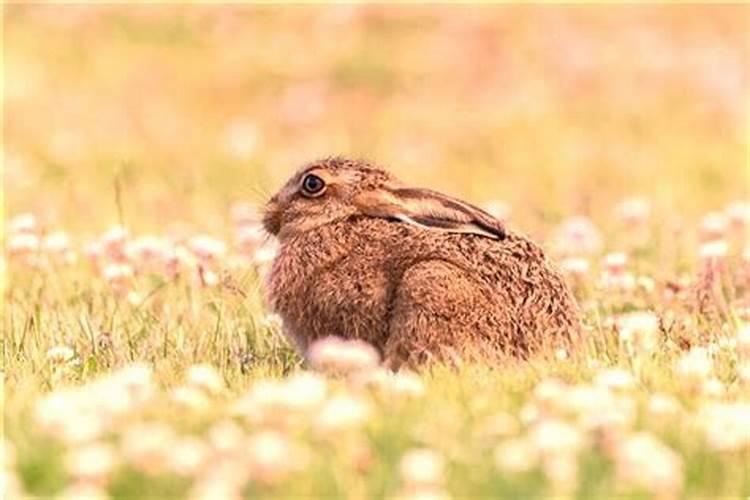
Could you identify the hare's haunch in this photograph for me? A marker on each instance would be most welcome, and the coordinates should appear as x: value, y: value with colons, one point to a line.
x: 418, y: 274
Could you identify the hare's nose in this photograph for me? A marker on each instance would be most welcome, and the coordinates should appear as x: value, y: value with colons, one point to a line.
x: 272, y: 217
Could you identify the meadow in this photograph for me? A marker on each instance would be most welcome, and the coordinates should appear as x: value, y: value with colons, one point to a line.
x: 140, y: 142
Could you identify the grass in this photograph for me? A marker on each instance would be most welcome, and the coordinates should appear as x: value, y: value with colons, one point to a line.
x: 175, y: 381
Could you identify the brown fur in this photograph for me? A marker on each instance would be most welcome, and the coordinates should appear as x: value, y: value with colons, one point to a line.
x: 416, y: 293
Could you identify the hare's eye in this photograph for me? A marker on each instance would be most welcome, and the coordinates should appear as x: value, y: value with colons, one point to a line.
x: 312, y: 185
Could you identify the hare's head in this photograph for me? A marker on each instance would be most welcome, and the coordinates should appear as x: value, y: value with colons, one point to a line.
x: 334, y: 189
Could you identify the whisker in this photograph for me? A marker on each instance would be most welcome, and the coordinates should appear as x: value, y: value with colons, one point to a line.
x: 256, y: 194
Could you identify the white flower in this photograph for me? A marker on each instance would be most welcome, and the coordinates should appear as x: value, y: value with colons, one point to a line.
x: 615, y: 262
x: 304, y: 391
x: 57, y: 242
x: 402, y: 383
x: 695, y: 365
x: 575, y: 266
x: 615, y: 379
x: 712, y: 388
x: 205, y: 377
x: 207, y: 248
x: 23, y: 223
x: 61, y: 414
x: 662, y: 406
x: 633, y: 211
x: 516, y: 455
x: 92, y: 462
x: 271, y: 456
x: 226, y: 437
x: 342, y: 356
x: 191, y: 398
x: 726, y: 426
x: 713, y: 250
x: 714, y: 226
x: 639, y: 331
x: 278, y: 400
x: 422, y: 467
x: 60, y: 354
x: 644, y: 461
x: 188, y: 455
x: 22, y: 244
x: 342, y: 413
x: 553, y: 437
x: 147, y: 446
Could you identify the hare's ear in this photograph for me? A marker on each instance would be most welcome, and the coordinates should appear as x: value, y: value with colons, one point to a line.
x: 429, y: 209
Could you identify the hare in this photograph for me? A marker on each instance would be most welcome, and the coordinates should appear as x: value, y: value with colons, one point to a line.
x: 418, y: 274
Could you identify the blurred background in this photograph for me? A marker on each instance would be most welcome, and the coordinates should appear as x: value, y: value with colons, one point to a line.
x: 153, y: 116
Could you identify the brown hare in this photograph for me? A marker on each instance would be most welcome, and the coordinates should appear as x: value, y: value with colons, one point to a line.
x: 416, y: 273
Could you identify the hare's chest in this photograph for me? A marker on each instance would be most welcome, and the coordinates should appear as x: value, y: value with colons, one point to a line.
x: 347, y: 297
x: 350, y: 300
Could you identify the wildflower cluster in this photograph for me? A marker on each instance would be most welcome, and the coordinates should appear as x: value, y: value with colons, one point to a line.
x: 120, y: 260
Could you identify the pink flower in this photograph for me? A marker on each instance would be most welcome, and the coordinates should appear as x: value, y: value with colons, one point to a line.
x: 24, y: 223
x: 577, y: 236
x: 179, y: 260
x: 575, y: 266
x: 615, y: 277
x: 206, y: 248
x: 113, y: 243
x: 713, y: 251
x: 738, y: 214
x: 22, y: 244
x: 713, y: 226
x: 271, y: 457
x: 633, y: 211
x: 119, y: 277
x: 614, y: 263
x: 148, y: 250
